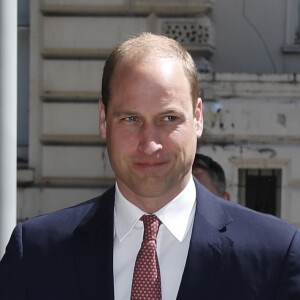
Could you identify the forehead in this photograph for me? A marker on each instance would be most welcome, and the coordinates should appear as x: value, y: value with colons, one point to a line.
x: 133, y: 62
x: 164, y: 70
x: 150, y: 68
x: 159, y: 82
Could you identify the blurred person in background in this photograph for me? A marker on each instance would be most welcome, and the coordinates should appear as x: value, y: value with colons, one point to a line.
x: 211, y: 175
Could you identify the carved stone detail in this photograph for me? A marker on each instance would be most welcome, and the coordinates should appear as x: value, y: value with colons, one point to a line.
x: 190, y: 33
x: 203, y: 65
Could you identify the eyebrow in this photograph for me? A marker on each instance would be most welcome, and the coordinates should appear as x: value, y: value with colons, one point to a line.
x: 134, y: 112
x: 170, y: 111
x: 120, y: 113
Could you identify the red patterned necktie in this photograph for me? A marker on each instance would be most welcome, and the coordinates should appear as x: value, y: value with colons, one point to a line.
x: 146, y: 277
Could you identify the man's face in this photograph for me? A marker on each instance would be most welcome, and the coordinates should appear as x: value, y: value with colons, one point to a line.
x: 151, y: 130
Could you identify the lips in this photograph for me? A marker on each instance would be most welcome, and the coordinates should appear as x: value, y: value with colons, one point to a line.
x: 150, y: 165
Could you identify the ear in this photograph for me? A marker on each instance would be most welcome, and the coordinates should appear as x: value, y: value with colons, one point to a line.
x: 102, y: 119
x: 226, y: 196
x: 199, y: 118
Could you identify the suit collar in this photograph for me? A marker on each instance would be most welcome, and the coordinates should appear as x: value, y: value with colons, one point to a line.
x: 98, y: 214
x: 177, y: 215
x: 100, y: 211
x: 210, y: 208
x: 207, y: 259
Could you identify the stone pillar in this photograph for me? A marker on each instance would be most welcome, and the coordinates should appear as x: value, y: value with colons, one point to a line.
x: 8, y: 119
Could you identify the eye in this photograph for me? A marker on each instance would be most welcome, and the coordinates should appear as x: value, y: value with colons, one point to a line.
x: 131, y: 119
x: 171, y: 118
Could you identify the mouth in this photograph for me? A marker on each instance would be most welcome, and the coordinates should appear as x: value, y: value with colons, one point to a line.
x: 156, y: 166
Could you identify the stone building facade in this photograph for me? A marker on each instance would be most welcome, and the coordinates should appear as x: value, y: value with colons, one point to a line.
x: 248, y: 57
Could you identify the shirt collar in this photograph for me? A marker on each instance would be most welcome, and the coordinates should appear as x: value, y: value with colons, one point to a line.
x: 177, y: 215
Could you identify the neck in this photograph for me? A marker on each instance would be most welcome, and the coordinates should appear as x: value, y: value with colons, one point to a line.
x: 150, y: 204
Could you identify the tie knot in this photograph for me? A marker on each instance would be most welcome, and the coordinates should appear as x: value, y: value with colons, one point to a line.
x: 151, y: 226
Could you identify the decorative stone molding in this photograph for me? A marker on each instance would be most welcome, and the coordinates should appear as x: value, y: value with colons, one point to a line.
x: 72, y: 140
x: 76, y: 182
x: 84, y: 10
x: 229, y: 139
x: 196, y: 34
x: 203, y: 65
x: 25, y: 177
x: 70, y: 97
x: 71, y: 53
x: 251, y: 86
x: 187, y: 33
x: 132, y: 7
x: 173, y: 2
x: 199, y: 5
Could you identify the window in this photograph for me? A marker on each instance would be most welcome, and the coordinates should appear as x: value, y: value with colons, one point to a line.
x: 260, y: 189
x: 297, y: 29
x: 292, y: 39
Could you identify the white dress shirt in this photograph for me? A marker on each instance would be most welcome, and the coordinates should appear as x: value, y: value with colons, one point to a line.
x: 173, y: 241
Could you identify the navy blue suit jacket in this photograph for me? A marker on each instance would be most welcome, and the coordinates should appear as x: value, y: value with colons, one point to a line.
x: 234, y: 254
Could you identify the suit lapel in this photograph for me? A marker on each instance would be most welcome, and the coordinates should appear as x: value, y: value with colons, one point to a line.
x: 93, y: 250
x: 209, y: 249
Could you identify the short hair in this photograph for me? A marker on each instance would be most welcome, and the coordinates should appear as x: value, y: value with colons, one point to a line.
x: 148, y: 44
x: 215, y: 171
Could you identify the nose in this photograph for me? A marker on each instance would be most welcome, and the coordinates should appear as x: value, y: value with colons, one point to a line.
x: 149, y: 139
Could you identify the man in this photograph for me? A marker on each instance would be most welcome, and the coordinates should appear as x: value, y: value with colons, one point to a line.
x: 206, y: 248
x: 210, y: 174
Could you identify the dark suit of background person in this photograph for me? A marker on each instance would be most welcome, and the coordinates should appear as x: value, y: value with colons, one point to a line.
x: 234, y: 253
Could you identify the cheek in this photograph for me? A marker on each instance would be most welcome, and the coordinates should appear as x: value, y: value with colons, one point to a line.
x: 185, y: 141
x: 121, y: 141
x: 172, y: 140
x: 184, y: 135
x: 180, y: 145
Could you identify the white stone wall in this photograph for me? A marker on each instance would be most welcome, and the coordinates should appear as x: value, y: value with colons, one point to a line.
x: 257, y: 127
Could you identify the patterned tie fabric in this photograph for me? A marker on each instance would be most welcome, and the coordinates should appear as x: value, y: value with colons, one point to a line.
x: 146, y: 277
